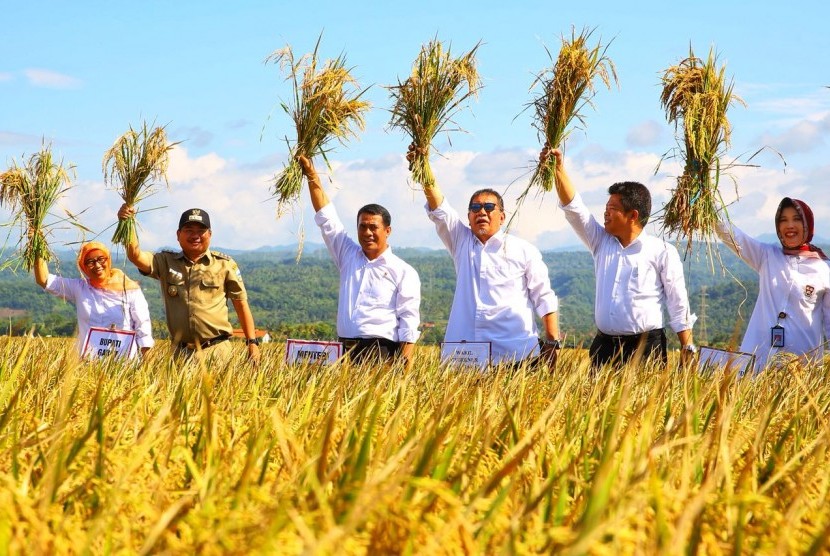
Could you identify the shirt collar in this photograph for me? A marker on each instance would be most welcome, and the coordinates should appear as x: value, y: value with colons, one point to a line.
x: 382, y: 258
x: 496, y: 240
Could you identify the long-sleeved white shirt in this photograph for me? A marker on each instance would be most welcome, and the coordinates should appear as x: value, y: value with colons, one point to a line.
x: 499, y: 285
x: 633, y: 282
x: 379, y: 298
x: 125, y: 310
x: 797, y: 286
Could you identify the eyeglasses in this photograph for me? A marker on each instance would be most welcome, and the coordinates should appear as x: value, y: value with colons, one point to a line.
x: 100, y: 261
x: 488, y: 207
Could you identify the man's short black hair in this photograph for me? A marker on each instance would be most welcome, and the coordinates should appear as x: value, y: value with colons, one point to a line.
x: 633, y: 196
x: 377, y: 210
x: 488, y: 191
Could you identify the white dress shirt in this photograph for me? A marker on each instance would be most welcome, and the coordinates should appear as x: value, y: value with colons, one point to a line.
x: 797, y: 286
x: 499, y: 285
x: 379, y: 298
x: 125, y: 310
x: 633, y: 282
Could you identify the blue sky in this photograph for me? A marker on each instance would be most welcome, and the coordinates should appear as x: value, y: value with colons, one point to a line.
x: 79, y: 74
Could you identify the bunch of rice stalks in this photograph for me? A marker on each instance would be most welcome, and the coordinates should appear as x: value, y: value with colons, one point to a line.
x: 29, y: 191
x: 326, y: 106
x: 697, y: 93
x: 135, y: 163
x: 566, y: 89
x: 428, y: 100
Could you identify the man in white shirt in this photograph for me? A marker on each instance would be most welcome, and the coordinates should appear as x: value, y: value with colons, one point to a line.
x: 378, y: 310
x: 636, y: 274
x: 502, y: 283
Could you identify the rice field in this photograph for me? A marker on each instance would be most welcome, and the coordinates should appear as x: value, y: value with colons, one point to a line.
x: 145, y: 458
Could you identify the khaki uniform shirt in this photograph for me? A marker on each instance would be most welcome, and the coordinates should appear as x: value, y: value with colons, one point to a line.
x: 195, y: 294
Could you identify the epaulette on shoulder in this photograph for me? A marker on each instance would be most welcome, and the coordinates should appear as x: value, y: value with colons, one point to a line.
x: 170, y: 251
x: 220, y: 255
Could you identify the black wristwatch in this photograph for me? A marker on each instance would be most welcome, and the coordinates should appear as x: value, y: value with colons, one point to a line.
x: 555, y: 344
x: 249, y: 341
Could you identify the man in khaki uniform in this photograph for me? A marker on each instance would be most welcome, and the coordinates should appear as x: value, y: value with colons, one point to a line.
x: 196, y: 284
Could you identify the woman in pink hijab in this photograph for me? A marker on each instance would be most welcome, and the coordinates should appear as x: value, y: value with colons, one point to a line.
x: 792, y: 313
x: 104, y: 297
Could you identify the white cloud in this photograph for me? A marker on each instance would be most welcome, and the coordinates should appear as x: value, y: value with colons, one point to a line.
x: 243, y: 213
x: 645, y: 134
x: 6, y: 76
x: 803, y: 136
x: 51, y: 79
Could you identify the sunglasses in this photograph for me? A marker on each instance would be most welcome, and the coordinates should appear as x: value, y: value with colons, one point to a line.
x: 100, y: 261
x: 488, y: 207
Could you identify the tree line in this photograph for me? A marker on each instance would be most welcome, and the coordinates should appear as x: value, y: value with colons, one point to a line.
x: 299, y: 299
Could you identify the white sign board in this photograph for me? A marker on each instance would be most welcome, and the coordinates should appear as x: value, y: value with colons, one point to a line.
x: 307, y: 351
x: 736, y: 360
x: 466, y: 354
x: 103, y: 342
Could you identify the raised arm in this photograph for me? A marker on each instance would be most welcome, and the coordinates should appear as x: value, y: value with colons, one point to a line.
x: 319, y: 199
x: 564, y: 187
x: 41, y: 272
x: 433, y: 193
x: 142, y: 260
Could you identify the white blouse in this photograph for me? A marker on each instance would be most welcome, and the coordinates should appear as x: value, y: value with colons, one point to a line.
x: 126, y: 310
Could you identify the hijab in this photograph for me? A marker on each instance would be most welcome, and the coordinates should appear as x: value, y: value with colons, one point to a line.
x: 806, y: 249
x: 116, y: 280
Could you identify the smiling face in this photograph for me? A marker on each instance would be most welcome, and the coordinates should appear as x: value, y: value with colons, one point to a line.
x: 791, y: 229
x: 97, y: 265
x: 485, y: 224
x: 194, y: 240
x: 617, y: 221
x: 372, y: 234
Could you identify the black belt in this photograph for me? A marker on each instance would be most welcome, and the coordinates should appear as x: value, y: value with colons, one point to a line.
x: 363, y: 347
x: 204, y: 345
x: 624, y: 337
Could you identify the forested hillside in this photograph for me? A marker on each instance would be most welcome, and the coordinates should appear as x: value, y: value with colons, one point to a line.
x: 300, y: 299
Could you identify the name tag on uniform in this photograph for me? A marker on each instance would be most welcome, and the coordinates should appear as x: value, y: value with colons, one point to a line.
x: 307, y: 351
x: 466, y: 354
x: 103, y: 342
x: 711, y: 358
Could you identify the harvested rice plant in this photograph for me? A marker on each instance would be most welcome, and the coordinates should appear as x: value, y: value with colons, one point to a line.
x: 696, y: 96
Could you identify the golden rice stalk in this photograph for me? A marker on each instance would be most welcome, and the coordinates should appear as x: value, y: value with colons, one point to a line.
x: 565, y: 89
x: 135, y: 163
x: 29, y: 191
x: 697, y: 93
x: 429, y: 99
x: 326, y: 106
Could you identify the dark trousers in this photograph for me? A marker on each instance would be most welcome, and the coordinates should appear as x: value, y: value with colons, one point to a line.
x: 620, y: 349
x: 360, y: 350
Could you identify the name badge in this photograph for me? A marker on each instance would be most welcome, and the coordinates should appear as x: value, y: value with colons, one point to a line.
x: 777, y: 336
x: 103, y: 342
x: 475, y: 355
x: 307, y: 351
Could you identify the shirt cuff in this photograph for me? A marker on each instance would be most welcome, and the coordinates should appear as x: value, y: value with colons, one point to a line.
x: 548, y: 306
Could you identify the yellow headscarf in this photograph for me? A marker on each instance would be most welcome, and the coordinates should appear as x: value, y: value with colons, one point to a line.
x: 116, y: 280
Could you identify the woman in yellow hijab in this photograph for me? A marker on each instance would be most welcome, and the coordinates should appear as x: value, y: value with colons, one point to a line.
x: 104, y: 297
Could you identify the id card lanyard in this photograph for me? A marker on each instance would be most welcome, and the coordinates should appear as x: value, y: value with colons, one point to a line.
x: 777, y: 338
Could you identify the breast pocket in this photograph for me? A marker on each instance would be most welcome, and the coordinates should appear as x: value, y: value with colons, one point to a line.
x: 208, y: 287
x: 643, y: 280
x: 381, y: 291
x: 502, y: 283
